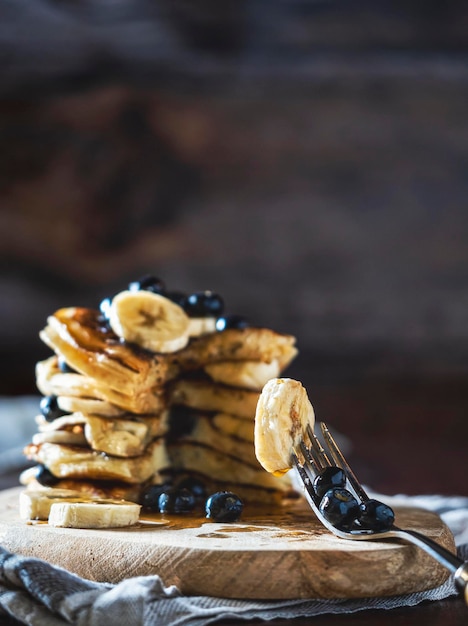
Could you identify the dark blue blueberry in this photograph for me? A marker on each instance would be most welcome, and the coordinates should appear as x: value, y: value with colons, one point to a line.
x: 204, y: 304
x: 195, y: 486
x: 339, y: 507
x: 375, y: 515
x: 50, y: 409
x: 182, y: 422
x: 150, y: 497
x: 148, y: 283
x: 176, y: 501
x: 179, y: 297
x: 45, y: 477
x: 327, y: 479
x: 224, y: 506
x: 231, y: 321
x: 64, y: 367
x: 104, y: 307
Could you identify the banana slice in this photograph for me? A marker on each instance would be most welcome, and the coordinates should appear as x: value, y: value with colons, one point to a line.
x: 282, y: 415
x: 36, y: 505
x: 96, y: 514
x: 201, y: 326
x: 61, y: 437
x: 246, y: 374
x: 149, y: 320
x: 94, y: 406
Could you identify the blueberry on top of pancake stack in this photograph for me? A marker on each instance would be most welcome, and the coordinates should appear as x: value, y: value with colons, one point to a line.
x: 155, y: 386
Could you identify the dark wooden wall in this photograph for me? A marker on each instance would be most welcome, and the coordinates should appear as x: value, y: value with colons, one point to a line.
x: 308, y: 160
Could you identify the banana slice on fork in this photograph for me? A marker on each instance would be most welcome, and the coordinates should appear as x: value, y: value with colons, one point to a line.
x: 283, y: 414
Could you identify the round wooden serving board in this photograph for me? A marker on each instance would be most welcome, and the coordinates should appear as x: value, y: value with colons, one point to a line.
x: 278, y: 554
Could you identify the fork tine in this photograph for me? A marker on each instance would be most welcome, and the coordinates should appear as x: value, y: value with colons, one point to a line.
x: 312, y: 459
x: 315, y: 460
x: 340, y: 460
x: 306, y: 473
x: 317, y: 448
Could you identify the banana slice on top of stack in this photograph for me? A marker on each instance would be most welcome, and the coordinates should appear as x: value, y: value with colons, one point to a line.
x: 153, y: 387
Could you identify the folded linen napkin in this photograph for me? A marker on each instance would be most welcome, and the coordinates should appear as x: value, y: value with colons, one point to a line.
x: 38, y: 594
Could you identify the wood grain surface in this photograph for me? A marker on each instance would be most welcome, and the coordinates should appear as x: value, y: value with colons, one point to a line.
x: 267, y: 555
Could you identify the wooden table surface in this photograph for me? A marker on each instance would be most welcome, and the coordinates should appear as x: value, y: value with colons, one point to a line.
x: 450, y: 612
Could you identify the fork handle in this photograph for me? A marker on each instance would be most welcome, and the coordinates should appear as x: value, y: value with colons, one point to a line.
x: 461, y: 579
x: 449, y: 560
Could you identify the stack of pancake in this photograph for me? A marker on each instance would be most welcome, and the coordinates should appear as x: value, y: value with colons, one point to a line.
x: 126, y: 417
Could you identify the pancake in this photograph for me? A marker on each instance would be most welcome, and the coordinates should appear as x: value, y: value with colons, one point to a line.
x: 115, y: 436
x: 237, y: 344
x: 65, y: 461
x: 254, y: 495
x: 90, y: 406
x: 51, y: 381
x: 206, y: 395
x: 207, y: 433
x: 245, y: 374
x: 91, y: 348
x: 232, y: 425
x: 191, y: 457
x: 126, y: 424
x: 99, y: 489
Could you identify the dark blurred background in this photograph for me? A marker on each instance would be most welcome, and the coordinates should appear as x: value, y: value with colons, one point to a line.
x: 306, y: 159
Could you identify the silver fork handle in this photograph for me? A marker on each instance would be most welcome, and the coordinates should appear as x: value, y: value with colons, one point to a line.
x: 458, y: 567
x: 449, y: 560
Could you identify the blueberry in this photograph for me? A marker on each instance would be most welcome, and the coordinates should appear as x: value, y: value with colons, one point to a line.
x: 195, y: 486
x: 147, y: 283
x: 150, y: 497
x: 204, y: 304
x: 104, y: 307
x: 231, y: 321
x: 45, y: 477
x: 327, y: 479
x: 176, y: 501
x: 63, y: 366
x: 182, y: 422
x: 224, y: 506
x: 50, y: 409
x: 339, y: 507
x: 375, y: 515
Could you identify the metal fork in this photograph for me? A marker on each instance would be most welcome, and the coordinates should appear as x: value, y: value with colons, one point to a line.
x: 343, y: 506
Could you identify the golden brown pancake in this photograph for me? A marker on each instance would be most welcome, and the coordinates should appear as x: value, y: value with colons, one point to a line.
x: 51, y: 381
x: 82, y: 463
x: 192, y: 457
x: 88, y: 346
x: 206, y: 395
x: 118, y: 395
x: 100, y: 489
x: 116, y: 436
